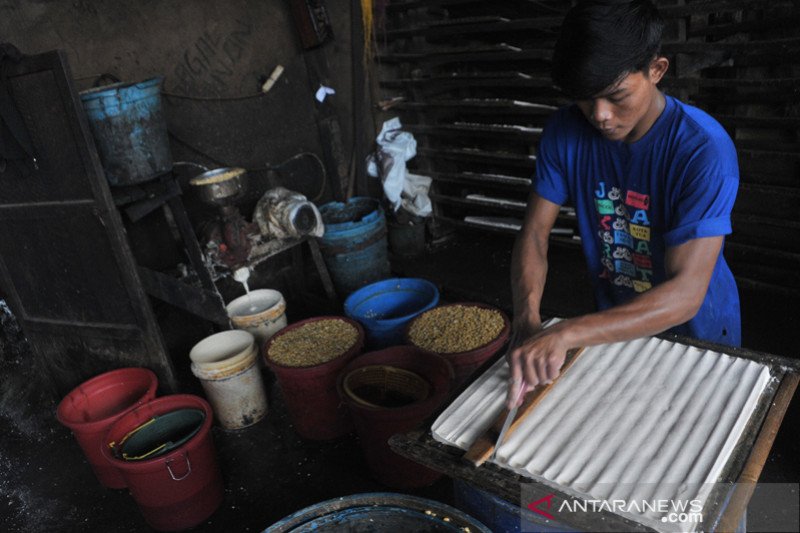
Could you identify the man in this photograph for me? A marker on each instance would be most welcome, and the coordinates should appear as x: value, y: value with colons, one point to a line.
x: 652, y: 181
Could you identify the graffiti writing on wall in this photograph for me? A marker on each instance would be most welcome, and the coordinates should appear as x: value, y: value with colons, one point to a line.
x: 212, y: 57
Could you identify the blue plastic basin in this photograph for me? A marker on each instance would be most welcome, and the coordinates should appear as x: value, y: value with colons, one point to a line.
x: 386, y: 307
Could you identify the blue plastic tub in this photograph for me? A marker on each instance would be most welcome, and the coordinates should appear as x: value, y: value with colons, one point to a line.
x: 499, y: 514
x: 378, y: 511
x: 354, y: 245
x: 386, y: 307
x: 129, y: 130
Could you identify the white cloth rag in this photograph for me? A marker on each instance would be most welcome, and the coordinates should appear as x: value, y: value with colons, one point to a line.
x: 402, y: 188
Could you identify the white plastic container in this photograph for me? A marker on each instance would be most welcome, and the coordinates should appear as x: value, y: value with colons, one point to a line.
x: 262, y: 312
x: 226, y: 365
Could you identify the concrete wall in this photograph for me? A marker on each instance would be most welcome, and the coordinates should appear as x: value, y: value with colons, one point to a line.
x: 214, y: 53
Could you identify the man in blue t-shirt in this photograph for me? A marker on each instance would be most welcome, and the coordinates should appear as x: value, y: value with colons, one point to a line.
x: 652, y: 181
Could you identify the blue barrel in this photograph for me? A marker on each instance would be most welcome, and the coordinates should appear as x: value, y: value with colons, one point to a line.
x: 354, y: 245
x: 385, y: 308
x: 499, y: 514
x: 129, y: 130
x: 378, y: 511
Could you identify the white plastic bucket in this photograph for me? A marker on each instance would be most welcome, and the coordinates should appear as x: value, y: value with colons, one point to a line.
x: 226, y: 365
x: 262, y: 312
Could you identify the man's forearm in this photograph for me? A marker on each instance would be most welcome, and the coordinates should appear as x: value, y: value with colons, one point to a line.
x: 529, y: 265
x: 528, y: 275
x: 652, y: 312
x: 669, y: 304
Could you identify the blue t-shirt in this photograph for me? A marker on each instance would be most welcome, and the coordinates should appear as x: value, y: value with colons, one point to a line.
x: 633, y: 201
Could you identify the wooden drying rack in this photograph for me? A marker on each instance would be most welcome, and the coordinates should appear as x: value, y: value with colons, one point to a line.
x: 725, y: 504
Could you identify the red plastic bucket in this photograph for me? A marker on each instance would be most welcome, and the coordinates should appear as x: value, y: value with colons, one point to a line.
x: 310, y: 392
x: 465, y: 363
x: 181, y: 488
x: 92, y: 407
x: 375, y: 425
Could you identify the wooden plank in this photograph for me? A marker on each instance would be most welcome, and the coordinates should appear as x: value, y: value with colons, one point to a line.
x: 467, y: 202
x: 522, y: 184
x: 467, y: 155
x: 186, y: 231
x: 766, y: 24
x: 764, y: 286
x: 708, y: 99
x: 395, y: 7
x: 737, y: 121
x: 469, y: 80
x: 200, y: 302
x: 481, y: 105
x: 789, y: 260
x: 771, y: 223
x: 470, y: 225
x: 319, y: 263
x: 520, y: 133
x: 125, y: 332
x: 705, y: 7
x: 758, y: 456
x: 483, y: 447
x: 433, y: 30
x: 696, y: 83
x: 740, y: 47
x: 719, y: 496
x: 431, y: 52
x: 47, y: 209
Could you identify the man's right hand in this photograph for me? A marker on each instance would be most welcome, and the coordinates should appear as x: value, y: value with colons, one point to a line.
x: 534, y: 360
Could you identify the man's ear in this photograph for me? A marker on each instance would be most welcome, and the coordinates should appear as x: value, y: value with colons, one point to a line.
x: 658, y: 67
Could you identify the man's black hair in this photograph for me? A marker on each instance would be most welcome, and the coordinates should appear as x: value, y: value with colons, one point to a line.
x: 602, y: 41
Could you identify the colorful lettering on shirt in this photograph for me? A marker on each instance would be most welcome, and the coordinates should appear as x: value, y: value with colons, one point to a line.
x: 637, y: 200
x: 642, y: 261
x: 600, y: 192
x: 623, y: 238
x: 626, y: 256
x: 640, y: 232
x: 605, y: 207
x: 641, y: 286
x: 640, y: 217
x: 623, y: 267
